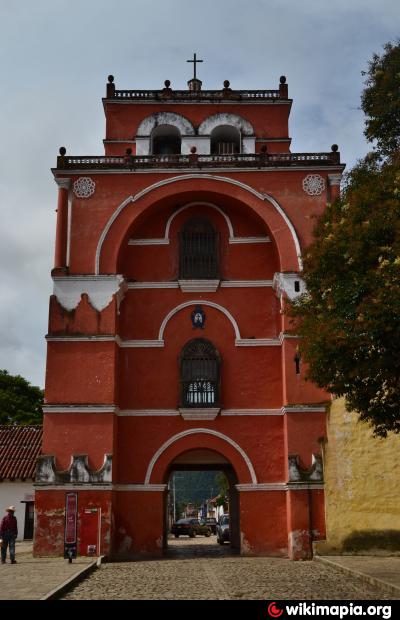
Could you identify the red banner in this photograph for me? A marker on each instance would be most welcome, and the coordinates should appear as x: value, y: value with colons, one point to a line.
x: 71, y: 510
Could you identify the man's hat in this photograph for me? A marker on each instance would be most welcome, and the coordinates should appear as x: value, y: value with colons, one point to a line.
x: 10, y: 509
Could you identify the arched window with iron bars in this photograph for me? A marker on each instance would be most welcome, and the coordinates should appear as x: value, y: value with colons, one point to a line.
x: 198, y: 250
x: 200, y: 365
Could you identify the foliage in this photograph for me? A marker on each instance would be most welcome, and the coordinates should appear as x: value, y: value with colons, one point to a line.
x: 349, y: 319
x: 195, y: 486
x: 20, y: 402
x: 380, y: 100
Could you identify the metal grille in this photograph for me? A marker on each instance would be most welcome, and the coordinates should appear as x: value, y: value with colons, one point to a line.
x: 199, y: 374
x: 198, y: 251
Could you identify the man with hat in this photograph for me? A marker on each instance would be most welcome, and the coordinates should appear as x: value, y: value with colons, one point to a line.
x: 8, y: 534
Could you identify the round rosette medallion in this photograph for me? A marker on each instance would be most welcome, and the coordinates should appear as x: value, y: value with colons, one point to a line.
x: 84, y: 187
x: 313, y: 184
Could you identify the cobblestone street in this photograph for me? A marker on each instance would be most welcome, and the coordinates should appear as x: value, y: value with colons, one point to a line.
x: 202, y: 569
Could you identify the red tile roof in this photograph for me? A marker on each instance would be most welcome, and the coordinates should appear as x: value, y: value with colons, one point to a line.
x: 19, y: 448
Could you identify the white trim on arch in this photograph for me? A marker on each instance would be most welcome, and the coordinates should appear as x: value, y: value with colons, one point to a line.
x: 202, y: 302
x: 184, y: 177
x: 152, y: 121
x: 225, y: 118
x: 200, y: 203
x: 196, y: 431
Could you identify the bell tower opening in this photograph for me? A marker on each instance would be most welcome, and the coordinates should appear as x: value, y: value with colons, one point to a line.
x: 166, y: 140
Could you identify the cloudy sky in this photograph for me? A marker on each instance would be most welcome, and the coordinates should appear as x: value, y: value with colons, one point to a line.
x: 56, y: 55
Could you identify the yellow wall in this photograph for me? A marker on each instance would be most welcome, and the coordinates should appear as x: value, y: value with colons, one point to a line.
x: 362, y: 481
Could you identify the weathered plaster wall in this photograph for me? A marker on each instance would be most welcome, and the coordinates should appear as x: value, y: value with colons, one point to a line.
x: 362, y: 480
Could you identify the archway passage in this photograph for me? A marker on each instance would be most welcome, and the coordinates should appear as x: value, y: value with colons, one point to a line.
x: 201, y: 513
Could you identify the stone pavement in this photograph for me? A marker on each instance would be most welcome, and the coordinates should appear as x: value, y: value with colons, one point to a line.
x: 384, y: 571
x: 32, y: 578
x: 201, y: 569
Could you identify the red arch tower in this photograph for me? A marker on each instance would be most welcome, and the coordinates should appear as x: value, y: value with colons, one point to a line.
x: 121, y: 313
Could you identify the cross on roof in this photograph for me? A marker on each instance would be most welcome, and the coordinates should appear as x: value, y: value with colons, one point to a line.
x: 194, y: 61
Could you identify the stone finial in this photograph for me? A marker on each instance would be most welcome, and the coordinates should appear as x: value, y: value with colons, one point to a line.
x: 61, y: 157
x: 167, y: 90
x: 226, y: 83
x: 193, y: 150
x: 283, y: 87
x: 335, y: 153
x: 110, y: 87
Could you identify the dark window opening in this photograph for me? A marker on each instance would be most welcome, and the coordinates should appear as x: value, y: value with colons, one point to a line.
x: 297, y: 360
x: 200, y: 374
x: 225, y: 140
x: 198, y: 251
x: 297, y: 286
x: 166, y: 140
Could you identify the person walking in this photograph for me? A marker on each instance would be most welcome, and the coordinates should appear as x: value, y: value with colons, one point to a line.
x: 8, y: 534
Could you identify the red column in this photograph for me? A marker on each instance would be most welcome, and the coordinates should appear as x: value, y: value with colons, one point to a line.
x: 334, y: 186
x: 60, y: 256
x: 299, y: 525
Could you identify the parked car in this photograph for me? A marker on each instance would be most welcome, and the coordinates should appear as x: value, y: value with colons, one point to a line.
x: 212, y: 524
x: 223, y: 530
x: 189, y: 527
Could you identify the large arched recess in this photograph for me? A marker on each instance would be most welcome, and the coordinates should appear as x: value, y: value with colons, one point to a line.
x: 197, y: 187
x: 200, y: 439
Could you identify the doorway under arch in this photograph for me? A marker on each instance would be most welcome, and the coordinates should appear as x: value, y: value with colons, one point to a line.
x: 203, y: 460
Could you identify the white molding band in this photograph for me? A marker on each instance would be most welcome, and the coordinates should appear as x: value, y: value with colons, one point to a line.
x: 140, y: 487
x: 198, y: 286
x: 63, y: 182
x: 80, y: 408
x: 148, y: 242
x: 279, y: 486
x: 245, y: 283
x: 303, y: 409
x: 159, y: 343
x: 222, y: 284
x: 250, y: 412
x: 157, y: 285
x: 129, y: 344
x: 83, y: 486
x: 148, y: 413
x: 161, y: 488
x: 190, y: 176
x: 257, y: 342
x: 76, y: 408
x: 197, y: 431
x: 236, y: 240
x: 204, y: 413
x: 94, y: 338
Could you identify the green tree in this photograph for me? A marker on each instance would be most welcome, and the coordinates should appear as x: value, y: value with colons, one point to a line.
x: 20, y: 402
x: 349, y: 319
x: 380, y: 100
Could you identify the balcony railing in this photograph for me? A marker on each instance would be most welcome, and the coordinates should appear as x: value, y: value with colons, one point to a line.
x: 187, y: 95
x: 239, y: 160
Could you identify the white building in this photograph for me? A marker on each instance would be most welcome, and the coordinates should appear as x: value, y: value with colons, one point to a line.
x: 19, y: 448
